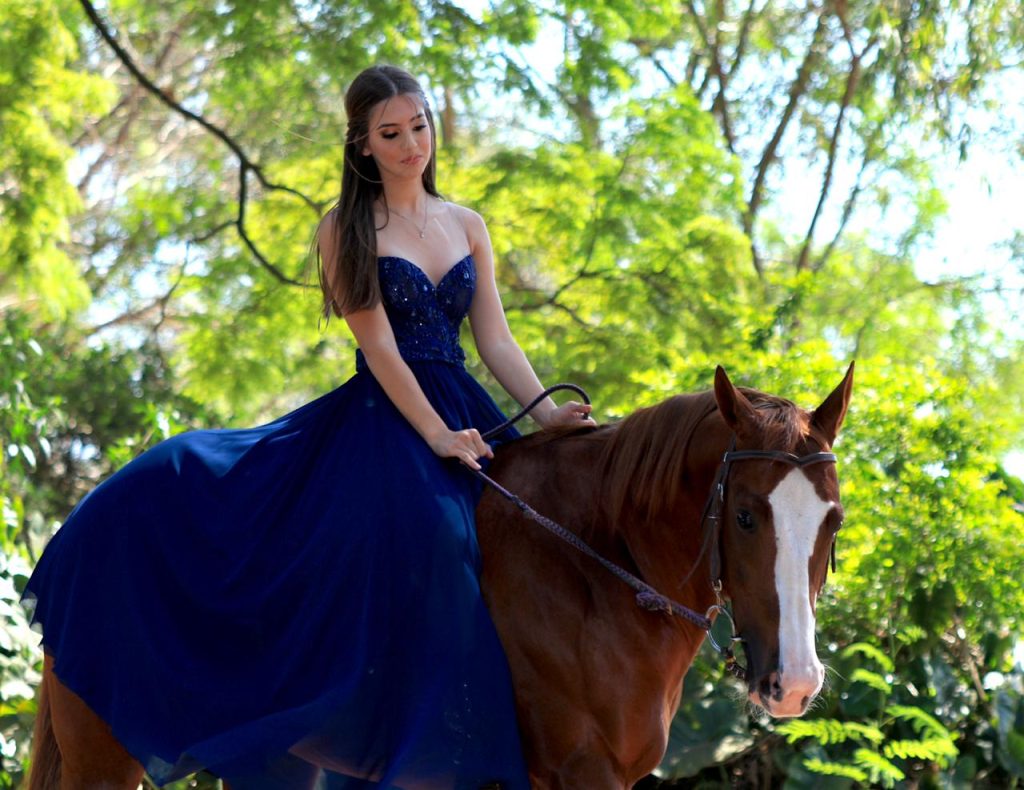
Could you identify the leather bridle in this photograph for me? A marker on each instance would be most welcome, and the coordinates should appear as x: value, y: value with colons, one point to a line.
x: 711, y: 525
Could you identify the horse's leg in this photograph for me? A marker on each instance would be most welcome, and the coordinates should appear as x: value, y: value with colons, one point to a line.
x: 91, y: 758
x: 44, y: 772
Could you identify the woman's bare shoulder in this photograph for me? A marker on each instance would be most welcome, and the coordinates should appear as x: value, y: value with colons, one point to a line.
x: 466, y: 215
x: 472, y: 223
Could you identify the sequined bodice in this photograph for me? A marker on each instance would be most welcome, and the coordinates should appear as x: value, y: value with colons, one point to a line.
x: 425, y: 318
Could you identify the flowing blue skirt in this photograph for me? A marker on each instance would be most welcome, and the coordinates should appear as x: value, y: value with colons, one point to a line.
x: 275, y: 602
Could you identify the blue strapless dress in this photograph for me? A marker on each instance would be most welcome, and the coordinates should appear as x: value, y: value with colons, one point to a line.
x: 297, y: 604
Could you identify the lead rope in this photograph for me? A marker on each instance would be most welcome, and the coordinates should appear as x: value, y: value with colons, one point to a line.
x: 646, y: 596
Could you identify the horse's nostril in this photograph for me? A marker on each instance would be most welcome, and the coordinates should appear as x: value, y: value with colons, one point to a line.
x: 770, y: 687
x: 804, y: 702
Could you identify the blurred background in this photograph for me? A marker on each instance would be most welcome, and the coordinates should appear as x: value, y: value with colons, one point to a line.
x: 778, y: 187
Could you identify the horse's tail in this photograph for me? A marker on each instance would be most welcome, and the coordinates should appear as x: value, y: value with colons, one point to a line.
x: 44, y: 773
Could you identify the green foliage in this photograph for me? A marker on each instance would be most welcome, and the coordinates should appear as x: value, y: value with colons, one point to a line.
x: 827, y: 768
x: 866, y: 751
x: 69, y: 415
x: 1008, y: 719
x: 41, y: 102
x: 628, y: 184
x: 827, y: 731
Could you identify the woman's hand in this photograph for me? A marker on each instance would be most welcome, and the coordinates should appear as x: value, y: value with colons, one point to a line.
x: 569, y: 413
x: 465, y: 445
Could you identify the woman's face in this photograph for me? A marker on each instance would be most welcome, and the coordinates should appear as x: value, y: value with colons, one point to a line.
x: 399, y: 140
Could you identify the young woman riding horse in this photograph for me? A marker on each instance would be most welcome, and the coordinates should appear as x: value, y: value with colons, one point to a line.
x: 598, y: 679
x: 302, y: 598
x: 269, y: 602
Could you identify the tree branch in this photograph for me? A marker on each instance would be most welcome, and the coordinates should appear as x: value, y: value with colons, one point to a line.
x: 852, y: 79
x: 664, y: 71
x: 718, y: 106
x: 160, y: 303
x: 770, y: 153
x: 552, y: 302
x: 245, y: 164
x: 848, y: 207
x: 851, y: 200
x: 157, y: 305
x: 741, y: 44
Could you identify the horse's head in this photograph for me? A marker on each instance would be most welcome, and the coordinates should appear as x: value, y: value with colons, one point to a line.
x: 777, y: 523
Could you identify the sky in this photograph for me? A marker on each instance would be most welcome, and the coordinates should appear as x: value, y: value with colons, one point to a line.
x: 985, y: 195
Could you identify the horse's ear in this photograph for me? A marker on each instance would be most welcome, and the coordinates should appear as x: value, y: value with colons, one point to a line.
x: 828, y: 417
x: 732, y: 404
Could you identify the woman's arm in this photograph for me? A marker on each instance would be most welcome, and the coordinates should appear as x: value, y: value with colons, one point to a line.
x: 375, y: 337
x: 498, y: 349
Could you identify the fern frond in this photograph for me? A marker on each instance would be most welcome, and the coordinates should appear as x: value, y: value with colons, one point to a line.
x: 938, y: 750
x: 866, y: 732
x: 922, y: 722
x: 872, y: 679
x: 872, y: 652
x: 835, y: 769
x: 879, y: 769
x: 824, y: 731
x: 829, y: 731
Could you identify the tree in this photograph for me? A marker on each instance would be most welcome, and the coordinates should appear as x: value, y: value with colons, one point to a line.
x: 632, y: 162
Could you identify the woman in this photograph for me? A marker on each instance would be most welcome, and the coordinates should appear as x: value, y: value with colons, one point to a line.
x: 272, y: 602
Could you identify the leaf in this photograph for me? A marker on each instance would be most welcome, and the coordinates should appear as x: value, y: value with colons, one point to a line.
x: 938, y: 750
x: 829, y: 731
x: 1015, y: 745
x: 879, y: 768
x: 873, y: 679
x: 870, y: 651
x: 867, y: 732
x: 921, y: 721
x: 835, y: 769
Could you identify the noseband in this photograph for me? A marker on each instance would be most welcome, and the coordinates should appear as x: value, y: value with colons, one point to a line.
x: 711, y: 524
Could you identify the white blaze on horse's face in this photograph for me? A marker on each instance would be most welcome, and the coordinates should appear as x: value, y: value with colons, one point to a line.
x: 798, y: 513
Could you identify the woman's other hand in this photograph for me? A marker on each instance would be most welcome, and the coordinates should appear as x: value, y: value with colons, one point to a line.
x: 569, y: 413
x: 466, y: 445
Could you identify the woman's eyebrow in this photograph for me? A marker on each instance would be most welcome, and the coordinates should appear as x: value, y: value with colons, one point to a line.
x: 417, y: 115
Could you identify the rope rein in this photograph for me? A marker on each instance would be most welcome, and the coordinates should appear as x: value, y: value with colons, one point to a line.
x: 647, y: 597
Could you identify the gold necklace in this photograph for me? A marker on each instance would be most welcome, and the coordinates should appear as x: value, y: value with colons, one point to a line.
x: 426, y: 219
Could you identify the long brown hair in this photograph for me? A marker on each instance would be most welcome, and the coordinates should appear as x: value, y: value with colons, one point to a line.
x: 349, y: 281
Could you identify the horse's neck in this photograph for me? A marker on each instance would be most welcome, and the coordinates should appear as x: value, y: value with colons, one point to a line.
x: 562, y: 479
x: 667, y: 549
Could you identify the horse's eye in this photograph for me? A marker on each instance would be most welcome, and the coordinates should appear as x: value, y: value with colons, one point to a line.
x: 745, y: 521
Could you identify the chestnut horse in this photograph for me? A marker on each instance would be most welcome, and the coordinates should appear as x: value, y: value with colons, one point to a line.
x: 597, y: 680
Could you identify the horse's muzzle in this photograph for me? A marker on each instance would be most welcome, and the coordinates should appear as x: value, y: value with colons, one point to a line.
x: 783, y: 694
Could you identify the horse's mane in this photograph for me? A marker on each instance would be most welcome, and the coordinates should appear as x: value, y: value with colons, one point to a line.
x: 643, y: 462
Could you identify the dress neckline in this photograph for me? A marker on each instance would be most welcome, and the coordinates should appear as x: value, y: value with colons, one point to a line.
x: 423, y: 274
